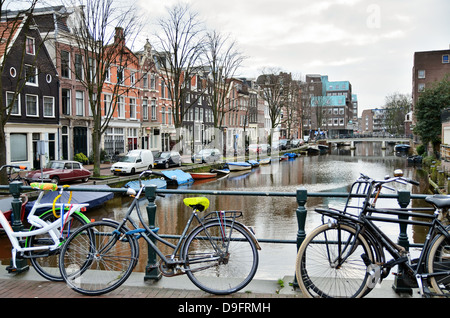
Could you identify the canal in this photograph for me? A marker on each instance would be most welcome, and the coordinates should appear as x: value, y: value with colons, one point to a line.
x: 274, y: 217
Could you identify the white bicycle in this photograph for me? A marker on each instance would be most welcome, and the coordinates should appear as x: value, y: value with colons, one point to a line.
x: 41, y: 243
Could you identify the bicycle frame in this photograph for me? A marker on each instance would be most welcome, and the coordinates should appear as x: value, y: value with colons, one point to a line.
x: 364, y: 225
x: 149, y: 234
x: 41, y: 227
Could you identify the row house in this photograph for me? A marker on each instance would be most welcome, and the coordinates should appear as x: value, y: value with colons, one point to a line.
x: 56, y: 106
x: 30, y: 92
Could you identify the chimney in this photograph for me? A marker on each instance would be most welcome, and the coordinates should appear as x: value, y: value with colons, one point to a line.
x: 119, y: 37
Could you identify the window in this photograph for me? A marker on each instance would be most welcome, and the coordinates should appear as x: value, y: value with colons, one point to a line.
x: 31, y: 75
x: 79, y: 67
x: 133, y: 108
x: 445, y: 59
x: 108, y: 75
x: 107, y: 105
x: 65, y: 101
x: 14, y: 106
x: 145, y: 81
x: 79, y: 101
x: 421, y: 87
x: 421, y: 74
x: 120, y: 75
x: 31, y: 102
x: 153, y: 81
x: 30, y: 46
x: 153, y: 106
x: 18, y: 146
x: 65, y: 64
x: 163, y: 115
x: 145, y: 109
x: 49, y: 106
x: 121, y: 107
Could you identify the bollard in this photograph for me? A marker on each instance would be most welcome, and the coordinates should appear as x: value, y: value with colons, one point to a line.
x: 302, y: 196
x: 151, y: 271
x: 404, y: 198
x: 16, y: 224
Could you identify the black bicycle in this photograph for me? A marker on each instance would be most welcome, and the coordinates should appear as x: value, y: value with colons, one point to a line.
x: 219, y: 255
x: 345, y: 257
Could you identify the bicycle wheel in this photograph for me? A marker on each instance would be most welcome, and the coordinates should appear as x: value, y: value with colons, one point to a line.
x: 46, y: 262
x: 217, y: 264
x: 329, y: 263
x: 98, y: 258
x: 438, y: 260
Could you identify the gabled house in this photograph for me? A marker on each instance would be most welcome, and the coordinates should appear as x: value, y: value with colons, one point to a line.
x: 30, y: 86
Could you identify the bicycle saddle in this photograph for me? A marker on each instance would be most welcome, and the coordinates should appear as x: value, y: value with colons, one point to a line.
x: 198, y: 203
x: 44, y: 186
x: 440, y: 201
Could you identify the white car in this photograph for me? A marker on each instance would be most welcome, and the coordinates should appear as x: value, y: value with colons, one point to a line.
x: 134, y: 161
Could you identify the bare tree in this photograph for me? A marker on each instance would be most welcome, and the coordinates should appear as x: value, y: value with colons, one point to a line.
x: 273, y: 89
x: 223, y: 60
x: 397, y: 106
x: 11, y: 22
x: 179, y: 38
x: 98, y: 32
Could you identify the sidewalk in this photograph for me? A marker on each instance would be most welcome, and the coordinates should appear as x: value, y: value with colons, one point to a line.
x: 30, y: 285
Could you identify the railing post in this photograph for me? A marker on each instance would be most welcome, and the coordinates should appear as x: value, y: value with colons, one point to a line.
x: 404, y: 197
x: 16, y: 224
x: 302, y: 196
x: 152, y: 270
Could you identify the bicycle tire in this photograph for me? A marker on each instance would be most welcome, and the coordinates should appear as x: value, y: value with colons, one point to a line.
x: 98, y: 258
x: 438, y: 259
x: 319, y: 277
x: 47, y: 265
x: 229, y: 273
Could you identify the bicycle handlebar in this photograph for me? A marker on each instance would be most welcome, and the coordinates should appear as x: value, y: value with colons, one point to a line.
x: 398, y: 177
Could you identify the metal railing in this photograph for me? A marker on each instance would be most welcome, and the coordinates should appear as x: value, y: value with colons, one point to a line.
x: 300, y: 195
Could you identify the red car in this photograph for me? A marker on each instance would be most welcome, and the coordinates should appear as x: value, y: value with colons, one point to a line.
x: 60, y: 171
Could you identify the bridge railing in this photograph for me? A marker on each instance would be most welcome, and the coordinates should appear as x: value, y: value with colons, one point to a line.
x: 301, y: 196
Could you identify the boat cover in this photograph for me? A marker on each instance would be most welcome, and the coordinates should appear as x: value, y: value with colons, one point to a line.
x: 93, y: 198
x: 177, y: 176
x: 159, y: 183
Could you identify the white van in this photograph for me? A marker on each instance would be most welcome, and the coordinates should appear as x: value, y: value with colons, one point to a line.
x: 134, y: 161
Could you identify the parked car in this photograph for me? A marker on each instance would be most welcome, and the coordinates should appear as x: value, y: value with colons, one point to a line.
x: 285, y: 144
x: 60, y: 171
x: 165, y: 159
x: 261, y: 149
x: 297, y: 143
x: 134, y: 161
x: 207, y: 155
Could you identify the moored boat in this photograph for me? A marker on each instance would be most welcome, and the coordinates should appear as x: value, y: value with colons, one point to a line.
x: 203, y: 175
x: 222, y: 171
x: 158, y: 182
x: 239, y: 166
x: 264, y: 161
x: 94, y: 198
x: 178, y: 177
x: 254, y: 163
x: 402, y: 147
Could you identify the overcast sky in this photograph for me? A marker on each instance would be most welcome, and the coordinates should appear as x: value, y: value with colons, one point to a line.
x: 369, y: 43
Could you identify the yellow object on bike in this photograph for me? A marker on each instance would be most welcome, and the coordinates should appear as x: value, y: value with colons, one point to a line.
x: 199, y: 203
x: 57, y: 197
x: 44, y: 186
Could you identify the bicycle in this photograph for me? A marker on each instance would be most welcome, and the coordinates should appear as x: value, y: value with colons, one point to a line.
x: 345, y: 256
x: 11, y: 171
x: 219, y: 255
x: 42, y: 241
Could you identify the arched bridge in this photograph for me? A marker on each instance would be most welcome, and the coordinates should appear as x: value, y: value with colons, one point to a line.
x: 384, y: 140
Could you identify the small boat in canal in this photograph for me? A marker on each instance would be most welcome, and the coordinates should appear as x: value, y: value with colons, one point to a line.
x: 265, y: 161
x: 254, y: 163
x: 239, y: 166
x: 221, y: 172
x: 401, y: 147
x: 5, y: 207
x: 177, y: 177
x: 203, y: 175
x: 94, y: 198
x: 158, y: 182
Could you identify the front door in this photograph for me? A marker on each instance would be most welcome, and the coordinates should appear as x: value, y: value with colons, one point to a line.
x: 80, y: 140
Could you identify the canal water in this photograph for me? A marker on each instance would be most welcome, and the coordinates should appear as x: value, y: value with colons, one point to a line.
x: 275, y: 217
